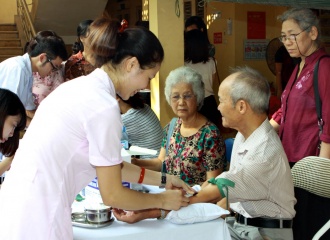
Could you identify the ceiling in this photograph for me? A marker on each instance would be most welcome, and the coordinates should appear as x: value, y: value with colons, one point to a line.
x: 317, y: 4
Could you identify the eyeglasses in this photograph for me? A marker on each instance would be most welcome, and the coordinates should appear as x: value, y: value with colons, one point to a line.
x: 291, y: 37
x: 186, y: 97
x: 54, y: 68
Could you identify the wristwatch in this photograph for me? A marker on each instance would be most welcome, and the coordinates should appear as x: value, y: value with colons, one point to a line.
x: 162, y: 214
x: 163, y: 180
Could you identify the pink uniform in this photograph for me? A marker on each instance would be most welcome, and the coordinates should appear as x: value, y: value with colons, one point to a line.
x: 76, y: 127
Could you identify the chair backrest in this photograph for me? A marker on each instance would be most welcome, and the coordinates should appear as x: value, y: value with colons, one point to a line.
x: 311, y: 178
x: 229, y: 142
x: 313, y: 174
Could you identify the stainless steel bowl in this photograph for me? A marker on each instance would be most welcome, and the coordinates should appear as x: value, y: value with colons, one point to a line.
x: 98, y: 215
x: 78, y: 217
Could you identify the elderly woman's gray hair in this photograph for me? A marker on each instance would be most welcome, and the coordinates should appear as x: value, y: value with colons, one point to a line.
x: 251, y: 86
x: 304, y: 17
x: 185, y: 75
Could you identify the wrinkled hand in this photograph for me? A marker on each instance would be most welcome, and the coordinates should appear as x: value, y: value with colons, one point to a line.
x: 130, y: 216
x: 174, y: 182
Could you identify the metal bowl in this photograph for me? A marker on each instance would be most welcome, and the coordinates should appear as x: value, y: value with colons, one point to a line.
x: 78, y: 217
x: 98, y: 215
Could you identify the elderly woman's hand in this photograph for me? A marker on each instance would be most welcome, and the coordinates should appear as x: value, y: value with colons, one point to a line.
x: 135, y: 216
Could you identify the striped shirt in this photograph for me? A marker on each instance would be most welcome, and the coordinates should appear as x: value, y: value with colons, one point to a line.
x: 143, y: 129
x: 262, y: 176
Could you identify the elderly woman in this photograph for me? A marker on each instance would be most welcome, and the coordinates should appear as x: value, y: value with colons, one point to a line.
x: 296, y: 120
x: 196, y: 148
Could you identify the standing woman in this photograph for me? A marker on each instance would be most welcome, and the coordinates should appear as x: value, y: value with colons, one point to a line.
x: 75, y: 137
x: 296, y: 120
x: 196, y: 56
x: 12, y: 121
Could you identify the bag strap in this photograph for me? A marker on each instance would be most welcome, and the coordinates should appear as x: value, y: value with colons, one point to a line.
x: 216, y: 69
x: 318, y: 101
x: 169, y: 134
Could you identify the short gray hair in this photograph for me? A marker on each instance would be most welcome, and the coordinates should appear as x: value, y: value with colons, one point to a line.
x: 251, y: 86
x: 304, y: 17
x: 185, y: 75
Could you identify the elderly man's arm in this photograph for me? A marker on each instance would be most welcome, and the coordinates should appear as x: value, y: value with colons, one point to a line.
x: 208, y: 194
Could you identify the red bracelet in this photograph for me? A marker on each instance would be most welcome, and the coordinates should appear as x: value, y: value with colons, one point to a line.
x: 143, y: 170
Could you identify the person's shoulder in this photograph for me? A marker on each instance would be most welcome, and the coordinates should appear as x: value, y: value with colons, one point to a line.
x: 210, y: 128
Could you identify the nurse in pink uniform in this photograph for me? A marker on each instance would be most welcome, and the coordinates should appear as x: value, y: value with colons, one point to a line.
x: 75, y: 136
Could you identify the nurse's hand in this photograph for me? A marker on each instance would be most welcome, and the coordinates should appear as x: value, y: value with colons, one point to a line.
x: 174, y: 182
x: 173, y: 199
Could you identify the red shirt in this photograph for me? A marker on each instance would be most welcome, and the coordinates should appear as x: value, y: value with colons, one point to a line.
x: 297, y: 116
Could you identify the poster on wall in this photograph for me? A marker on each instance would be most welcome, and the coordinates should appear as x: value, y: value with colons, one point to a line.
x: 217, y: 37
x: 256, y: 25
x: 255, y: 49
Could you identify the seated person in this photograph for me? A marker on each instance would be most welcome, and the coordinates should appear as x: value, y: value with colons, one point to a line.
x: 263, y: 194
x: 142, y: 125
x: 196, y: 150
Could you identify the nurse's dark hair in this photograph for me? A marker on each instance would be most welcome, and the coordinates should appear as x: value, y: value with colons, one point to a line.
x: 305, y: 18
x: 11, y: 105
x: 107, y: 43
x: 251, y: 86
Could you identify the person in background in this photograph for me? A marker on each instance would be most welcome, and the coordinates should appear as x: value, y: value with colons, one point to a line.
x: 142, y: 125
x: 44, y: 54
x: 284, y: 65
x: 12, y: 121
x: 196, y: 149
x: 296, y: 120
x: 196, y: 56
x: 77, y: 65
x: 43, y: 86
x: 196, y: 22
x: 258, y: 185
x: 72, y: 140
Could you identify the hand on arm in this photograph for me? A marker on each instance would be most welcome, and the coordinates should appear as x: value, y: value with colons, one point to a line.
x: 208, y: 194
x: 117, y: 196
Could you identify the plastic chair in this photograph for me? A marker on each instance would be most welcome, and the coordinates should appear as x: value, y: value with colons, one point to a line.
x: 319, y: 234
x: 311, y: 178
x: 229, y: 142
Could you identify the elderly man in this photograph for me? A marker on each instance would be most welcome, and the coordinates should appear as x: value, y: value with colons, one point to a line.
x: 263, y: 195
x: 258, y: 186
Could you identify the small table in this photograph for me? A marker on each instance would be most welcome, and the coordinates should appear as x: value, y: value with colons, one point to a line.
x: 155, y: 229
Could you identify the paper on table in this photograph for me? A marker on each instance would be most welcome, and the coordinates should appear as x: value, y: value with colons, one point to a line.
x: 135, y: 150
x: 125, y: 155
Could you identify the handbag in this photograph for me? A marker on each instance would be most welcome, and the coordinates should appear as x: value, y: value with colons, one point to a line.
x: 318, y: 102
x: 169, y: 134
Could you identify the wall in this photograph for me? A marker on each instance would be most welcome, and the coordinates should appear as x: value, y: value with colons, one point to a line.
x: 7, y: 11
x: 231, y: 52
